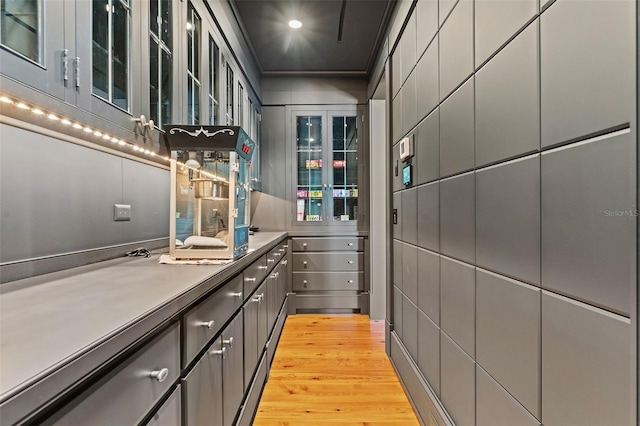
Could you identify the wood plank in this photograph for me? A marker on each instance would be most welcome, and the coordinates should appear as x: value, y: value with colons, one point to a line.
x: 332, y: 369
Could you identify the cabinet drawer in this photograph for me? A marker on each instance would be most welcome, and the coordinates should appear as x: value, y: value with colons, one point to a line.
x: 203, y: 321
x: 127, y: 392
x: 170, y: 413
x: 310, y: 262
x: 254, y: 274
x: 275, y: 255
x: 328, y: 281
x: 328, y: 244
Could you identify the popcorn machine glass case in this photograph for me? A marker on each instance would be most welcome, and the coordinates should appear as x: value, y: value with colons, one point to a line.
x: 210, y: 200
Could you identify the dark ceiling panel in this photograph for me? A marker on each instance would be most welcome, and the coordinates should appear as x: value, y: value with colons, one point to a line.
x: 314, y: 48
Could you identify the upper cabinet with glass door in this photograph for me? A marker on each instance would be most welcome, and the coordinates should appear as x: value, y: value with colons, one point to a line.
x: 327, y: 167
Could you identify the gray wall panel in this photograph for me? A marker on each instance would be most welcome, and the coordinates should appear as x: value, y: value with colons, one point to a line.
x: 496, y: 21
x: 456, y: 47
x: 409, y: 216
x: 457, y: 217
x: 457, y: 145
x: 397, y: 263
x: 57, y: 197
x: 507, y: 99
x: 495, y: 407
x: 396, y: 166
x: 588, y: 81
x: 409, y: 104
x: 408, y: 41
x: 508, y: 336
x: 429, y: 284
x: 396, y: 71
x: 427, y: 24
x: 508, y: 219
x: 429, y: 216
x: 588, y: 238
x: 578, y: 389
x: 410, y: 327
x: 429, y: 351
x: 396, y: 123
x: 427, y: 149
x: 427, y: 80
x: 457, y: 382
x: 457, y: 298
x: 397, y: 311
x: 444, y: 8
x: 145, y: 189
x: 410, y: 272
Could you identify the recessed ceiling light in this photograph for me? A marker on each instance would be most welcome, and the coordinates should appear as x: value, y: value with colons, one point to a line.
x: 295, y: 24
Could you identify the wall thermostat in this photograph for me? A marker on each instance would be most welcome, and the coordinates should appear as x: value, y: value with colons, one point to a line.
x: 406, y: 148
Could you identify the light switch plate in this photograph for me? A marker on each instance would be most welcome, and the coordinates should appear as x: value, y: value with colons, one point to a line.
x: 121, y: 212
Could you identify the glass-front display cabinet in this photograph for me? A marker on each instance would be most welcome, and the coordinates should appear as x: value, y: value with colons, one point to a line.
x: 210, y: 194
x: 327, y: 153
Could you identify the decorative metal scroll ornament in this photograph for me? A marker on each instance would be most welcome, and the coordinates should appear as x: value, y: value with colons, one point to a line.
x: 202, y: 131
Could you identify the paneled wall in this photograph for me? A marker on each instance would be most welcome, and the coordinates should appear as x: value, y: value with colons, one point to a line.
x: 514, y: 255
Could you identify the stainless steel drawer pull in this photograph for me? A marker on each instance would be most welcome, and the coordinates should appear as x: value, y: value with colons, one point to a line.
x: 250, y: 280
x: 281, y: 250
x: 276, y: 275
x: 350, y: 244
x: 222, y: 352
x: 208, y: 324
x: 304, y: 262
x: 262, y: 267
x: 350, y: 262
x: 350, y: 282
x: 258, y: 298
x: 285, y: 246
x: 271, y: 260
x: 228, y: 342
x: 304, y: 245
x: 238, y: 295
x: 277, y: 254
x: 261, y: 296
x: 65, y: 65
x: 284, y: 262
x: 160, y: 375
x: 304, y: 283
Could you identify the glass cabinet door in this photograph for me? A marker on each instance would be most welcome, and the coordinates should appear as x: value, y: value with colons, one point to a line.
x: 310, y: 184
x: 344, y: 166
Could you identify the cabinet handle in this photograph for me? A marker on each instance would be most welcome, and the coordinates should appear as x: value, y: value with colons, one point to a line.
x: 286, y: 246
x: 160, y: 375
x: 285, y: 262
x: 228, y: 342
x: 277, y: 254
x: 304, y: 263
x: 250, y: 280
x: 222, y: 352
x: 304, y: 245
x: 208, y: 324
x: 65, y: 65
x: 261, y: 296
x: 350, y: 262
x: 349, y: 281
x: 270, y: 261
x: 350, y: 244
x: 281, y: 250
x: 238, y: 295
x: 274, y: 276
x: 304, y: 283
x: 258, y: 298
x: 77, y: 71
x: 262, y: 267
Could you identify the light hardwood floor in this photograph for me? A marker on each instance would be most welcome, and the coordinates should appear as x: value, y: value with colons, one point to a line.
x: 332, y: 369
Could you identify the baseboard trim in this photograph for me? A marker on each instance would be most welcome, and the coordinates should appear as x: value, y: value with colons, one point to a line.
x: 424, y: 401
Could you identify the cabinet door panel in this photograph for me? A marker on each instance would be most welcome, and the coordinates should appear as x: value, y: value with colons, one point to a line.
x: 263, y: 316
x: 254, y: 274
x: 170, y: 413
x: 203, y: 389
x: 232, y: 369
x: 250, y: 336
x: 328, y: 281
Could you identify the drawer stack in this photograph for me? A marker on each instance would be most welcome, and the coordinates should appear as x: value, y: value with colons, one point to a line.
x: 328, y: 274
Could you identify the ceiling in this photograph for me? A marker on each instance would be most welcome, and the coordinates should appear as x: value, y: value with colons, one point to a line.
x: 315, y: 48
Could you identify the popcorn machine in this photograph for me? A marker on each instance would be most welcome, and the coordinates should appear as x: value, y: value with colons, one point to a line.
x: 210, y: 199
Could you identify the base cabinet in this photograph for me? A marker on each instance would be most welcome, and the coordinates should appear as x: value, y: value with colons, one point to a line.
x: 170, y: 413
x: 202, y: 389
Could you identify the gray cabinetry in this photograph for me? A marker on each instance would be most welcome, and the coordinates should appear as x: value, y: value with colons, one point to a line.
x: 232, y: 370
x: 125, y: 395
x: 203, y: 389
x: 169, y: 413
x: 206, y: 319
x: 329, y: 273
